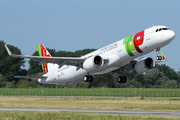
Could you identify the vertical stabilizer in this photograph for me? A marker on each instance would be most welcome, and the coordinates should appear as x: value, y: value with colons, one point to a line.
x: 44, y: 53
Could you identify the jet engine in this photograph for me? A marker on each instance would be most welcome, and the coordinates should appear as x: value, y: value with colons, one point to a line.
x: 144, y: 65
x: 93, y: 63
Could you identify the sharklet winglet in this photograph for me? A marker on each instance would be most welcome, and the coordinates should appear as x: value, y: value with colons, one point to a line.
x: 8, y: 50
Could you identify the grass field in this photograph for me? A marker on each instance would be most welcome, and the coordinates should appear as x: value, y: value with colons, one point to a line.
x: 168, y: 104
x: 28, y: 98
x: 116, y: 92
x: 92, y: 103
x: 23, y: 115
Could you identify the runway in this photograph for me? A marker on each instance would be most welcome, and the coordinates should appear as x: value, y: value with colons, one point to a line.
x: 95, y: 111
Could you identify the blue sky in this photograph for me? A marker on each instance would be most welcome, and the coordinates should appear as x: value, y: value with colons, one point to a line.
x: 72, y: 25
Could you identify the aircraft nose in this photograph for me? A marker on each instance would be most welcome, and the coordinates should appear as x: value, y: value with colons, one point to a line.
x: 171, y: 34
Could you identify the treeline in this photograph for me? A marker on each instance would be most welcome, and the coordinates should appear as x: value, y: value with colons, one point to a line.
x: 162, y: 76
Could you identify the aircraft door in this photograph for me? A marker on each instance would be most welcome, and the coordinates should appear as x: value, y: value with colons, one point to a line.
x: 148, y: 39
x: 119, y: 46
x: 148, y: 34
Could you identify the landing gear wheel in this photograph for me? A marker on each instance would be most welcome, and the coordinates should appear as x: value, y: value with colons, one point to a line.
x: 157, y: 50
x: 122, y: 79
x: 159, y: 58
x: 119, y: 79
x: 88, y: 78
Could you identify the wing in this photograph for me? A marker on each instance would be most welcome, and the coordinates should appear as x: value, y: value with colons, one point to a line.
x: 75, y: 61
x: 30, y: 77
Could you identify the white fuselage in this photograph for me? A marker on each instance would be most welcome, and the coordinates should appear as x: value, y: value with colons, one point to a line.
x: 118, y: 54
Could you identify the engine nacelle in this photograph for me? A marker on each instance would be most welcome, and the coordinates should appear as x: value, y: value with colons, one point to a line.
x: 93, y: 63
x: 144, y: 65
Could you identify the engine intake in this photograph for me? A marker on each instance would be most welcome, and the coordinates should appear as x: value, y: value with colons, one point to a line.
x: 98, y: 61
x: 93, y: 63
x: 144, y: 65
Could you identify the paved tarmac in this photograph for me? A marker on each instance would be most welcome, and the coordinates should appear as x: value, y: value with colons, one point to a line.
x: 94, y: 111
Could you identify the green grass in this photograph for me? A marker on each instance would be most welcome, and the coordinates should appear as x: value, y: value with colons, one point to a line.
x: 167, y: 104
x: 115, y: 92
x: 26, y: 115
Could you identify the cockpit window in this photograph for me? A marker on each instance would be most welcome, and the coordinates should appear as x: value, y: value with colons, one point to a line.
x: 165, y: 28
x: 160, y: 29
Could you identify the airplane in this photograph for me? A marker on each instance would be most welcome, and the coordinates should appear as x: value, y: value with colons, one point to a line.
x: 118, y: 55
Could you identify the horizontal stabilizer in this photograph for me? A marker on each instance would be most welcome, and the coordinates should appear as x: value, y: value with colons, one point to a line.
x: 30, y: 77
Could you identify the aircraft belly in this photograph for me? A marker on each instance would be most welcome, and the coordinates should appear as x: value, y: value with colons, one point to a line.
x: 105, y: 70
x: 71, y: 75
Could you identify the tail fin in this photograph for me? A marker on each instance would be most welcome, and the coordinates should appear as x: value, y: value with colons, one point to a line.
x: 44, y: 53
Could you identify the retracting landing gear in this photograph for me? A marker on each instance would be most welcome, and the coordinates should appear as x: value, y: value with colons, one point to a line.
x: 88, y: 78
x: 157, y: 50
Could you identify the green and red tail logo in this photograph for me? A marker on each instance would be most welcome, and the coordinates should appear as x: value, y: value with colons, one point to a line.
x: 44, y: 53
x: 133, y: 42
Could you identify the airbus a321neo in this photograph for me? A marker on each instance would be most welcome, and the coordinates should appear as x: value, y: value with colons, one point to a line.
x: 61, y: 70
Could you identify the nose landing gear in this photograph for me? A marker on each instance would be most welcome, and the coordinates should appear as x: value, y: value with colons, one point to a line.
x: 158, y: 57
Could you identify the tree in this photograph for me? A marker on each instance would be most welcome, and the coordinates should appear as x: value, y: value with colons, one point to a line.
x: 9, y: 66
x: 140, y: 79
x: 134, y: 84
x: 170, y: 84
x: 2, y: 80
x: 105, y: 80
x: 153, y: 77
x: 169, y: 72
x: 80, y: 53
x: 23, y: 84
x: 64, y: 54
x: 34, y: 66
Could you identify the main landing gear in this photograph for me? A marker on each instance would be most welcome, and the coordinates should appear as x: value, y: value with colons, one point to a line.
x: 122, y: 79
x: 157, y: 50
x: 88, y: 78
